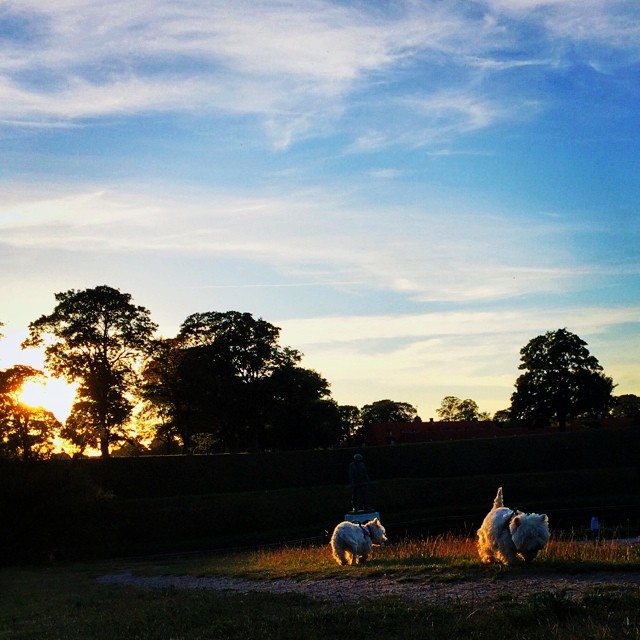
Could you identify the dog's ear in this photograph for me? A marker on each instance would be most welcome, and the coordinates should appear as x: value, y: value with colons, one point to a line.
x: 516, y: 521
x: 544, y: 518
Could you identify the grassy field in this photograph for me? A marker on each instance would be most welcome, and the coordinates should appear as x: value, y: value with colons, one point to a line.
x: 67, y: 601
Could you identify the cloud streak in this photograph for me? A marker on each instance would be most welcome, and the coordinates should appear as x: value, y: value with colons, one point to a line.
x: 437, y: 325
x: 291, y: 65
x: 432, y: 256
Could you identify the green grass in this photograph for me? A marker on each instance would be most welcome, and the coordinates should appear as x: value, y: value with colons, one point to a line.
x: 66, y: 601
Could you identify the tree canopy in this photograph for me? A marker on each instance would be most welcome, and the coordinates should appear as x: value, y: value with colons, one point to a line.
x: 561, y: 381
x: 26, y: 433
x: 626, y: 405
x: 95, y: 337
x: 388, y: 411
x: 454, y: 409
x: 225, y: 383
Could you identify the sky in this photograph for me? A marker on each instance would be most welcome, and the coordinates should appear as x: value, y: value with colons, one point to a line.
x: 411, y: 190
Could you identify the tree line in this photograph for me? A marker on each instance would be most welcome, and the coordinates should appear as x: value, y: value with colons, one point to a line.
x: 225, y: 383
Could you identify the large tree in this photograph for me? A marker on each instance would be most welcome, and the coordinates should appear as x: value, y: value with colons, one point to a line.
x: 350, y: 422
x: 96, y: 338
x: 561, y: 381
x: 299, y: 412
x: 248, y: 345
x: 167, y: 392
x: 213, y: 379
x: 453, y: 409
x: 626, y: 405
x: 388, y: 411
x: 26, y: 433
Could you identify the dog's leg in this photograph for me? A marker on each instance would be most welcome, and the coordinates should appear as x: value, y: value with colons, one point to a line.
x: 351, y: 556
x: 507, y: 551
x: 338, y: 552
x: 484, y: 548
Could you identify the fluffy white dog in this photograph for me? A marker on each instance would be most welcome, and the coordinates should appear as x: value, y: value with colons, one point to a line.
x: 510, y: 536
x: 352, y: 542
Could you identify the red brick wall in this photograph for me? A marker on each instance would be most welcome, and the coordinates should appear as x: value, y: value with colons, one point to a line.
x: 407, y: 432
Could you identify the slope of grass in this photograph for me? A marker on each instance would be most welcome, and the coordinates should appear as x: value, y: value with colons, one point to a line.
x: 67, y: 602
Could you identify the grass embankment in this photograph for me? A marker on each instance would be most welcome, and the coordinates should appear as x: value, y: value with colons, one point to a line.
x: 67, y: 601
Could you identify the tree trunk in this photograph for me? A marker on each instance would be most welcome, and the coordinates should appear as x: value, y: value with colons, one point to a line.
x: 104, y: 444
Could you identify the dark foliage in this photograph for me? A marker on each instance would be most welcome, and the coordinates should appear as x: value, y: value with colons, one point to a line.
x: 388, y: 411
x: 225, y: 384
x: 95, y: 337
x: 562, y: 380
x: 26, y: 433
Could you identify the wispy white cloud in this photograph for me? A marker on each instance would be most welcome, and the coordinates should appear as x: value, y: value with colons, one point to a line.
x: 82, y: 99
x: 438, y: 325
x: 612, y: 23
x: 447, y: 152
x: 293, y: 65
x: 386, y: 173
x: 297, y: 54
x: 433, y: 255
x: 433, y: 119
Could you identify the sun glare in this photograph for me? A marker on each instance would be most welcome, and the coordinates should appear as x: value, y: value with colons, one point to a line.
x: 53, y: 394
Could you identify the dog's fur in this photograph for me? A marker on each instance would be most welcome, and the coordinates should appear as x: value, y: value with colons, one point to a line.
x: 352, y: 543
x: 510, y: 536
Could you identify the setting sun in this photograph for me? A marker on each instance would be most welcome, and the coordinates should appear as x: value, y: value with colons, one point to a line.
x: 53, y: 394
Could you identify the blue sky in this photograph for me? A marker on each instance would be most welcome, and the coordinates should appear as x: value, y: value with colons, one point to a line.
x: 410, y: 190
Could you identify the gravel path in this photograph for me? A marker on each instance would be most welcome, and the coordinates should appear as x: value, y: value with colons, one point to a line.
x: 353, y: 589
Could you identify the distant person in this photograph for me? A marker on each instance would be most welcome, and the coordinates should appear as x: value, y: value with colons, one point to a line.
x: 358, y: 481
x: 594, y: 528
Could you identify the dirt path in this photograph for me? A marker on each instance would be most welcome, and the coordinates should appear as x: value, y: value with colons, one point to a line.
x: 353, y: 589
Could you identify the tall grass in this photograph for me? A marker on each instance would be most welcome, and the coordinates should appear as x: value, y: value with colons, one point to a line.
x: 66, y: 601
x: 574, y: 550
x: 445, y: 556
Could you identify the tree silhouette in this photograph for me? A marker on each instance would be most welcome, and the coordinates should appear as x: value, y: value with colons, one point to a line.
x: 453, y: 409
x: 350, y: 422
x: 168, y: 385
x: 299, y: 411
x: 95, y: 337
x: 211, y: 382
x: 26, y: 433
x: 562, y: 381
x: 225, y: 383
x: 626, y: 405
x: 387, y: 411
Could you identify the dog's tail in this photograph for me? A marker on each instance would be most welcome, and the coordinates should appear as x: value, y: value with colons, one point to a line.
x: 499, y: 500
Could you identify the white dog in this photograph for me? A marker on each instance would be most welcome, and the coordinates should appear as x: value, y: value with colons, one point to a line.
x: 352, y: 542
x: 510, y: 536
